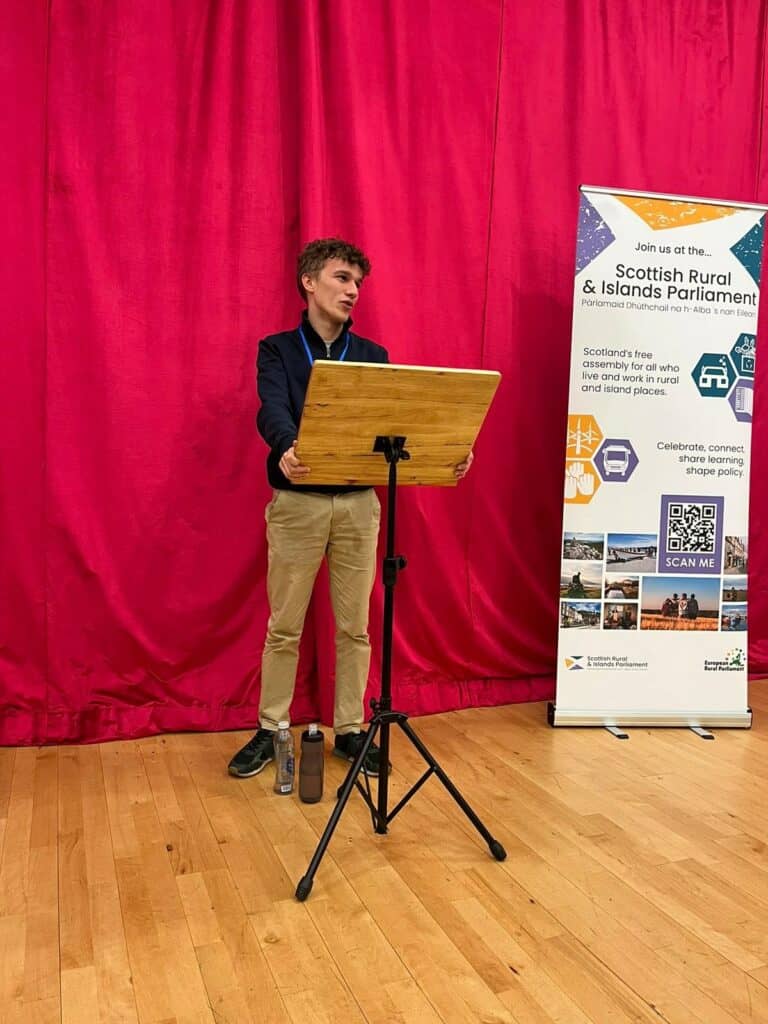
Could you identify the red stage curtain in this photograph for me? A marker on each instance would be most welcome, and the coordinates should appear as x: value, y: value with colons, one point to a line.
x: 23, y: 635
x: 164, y: 164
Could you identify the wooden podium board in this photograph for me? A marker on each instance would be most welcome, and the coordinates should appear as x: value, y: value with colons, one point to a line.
x: 439, y: 412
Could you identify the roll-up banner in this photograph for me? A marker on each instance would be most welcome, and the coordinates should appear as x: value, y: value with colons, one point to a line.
x: 653, y: 604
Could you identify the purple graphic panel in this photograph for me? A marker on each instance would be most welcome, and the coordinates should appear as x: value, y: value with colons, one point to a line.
x: 594, y: 235
x: 741, y: 399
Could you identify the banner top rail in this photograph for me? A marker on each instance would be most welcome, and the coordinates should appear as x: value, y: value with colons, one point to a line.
x: 673, y: 198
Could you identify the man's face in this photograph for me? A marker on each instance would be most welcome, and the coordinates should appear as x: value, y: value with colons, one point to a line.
x: 334, y: 291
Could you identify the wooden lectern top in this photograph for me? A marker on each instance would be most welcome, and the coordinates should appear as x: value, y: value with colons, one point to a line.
x: 439, y: 412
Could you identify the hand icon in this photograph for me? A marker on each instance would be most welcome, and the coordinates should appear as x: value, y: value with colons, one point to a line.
x: 586, y: 484
x: 579, y: 479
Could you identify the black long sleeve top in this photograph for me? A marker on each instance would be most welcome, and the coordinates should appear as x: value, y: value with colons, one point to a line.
x: 283, y: 368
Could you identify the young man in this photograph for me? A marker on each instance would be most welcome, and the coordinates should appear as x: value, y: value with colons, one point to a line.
x: 307, y: 523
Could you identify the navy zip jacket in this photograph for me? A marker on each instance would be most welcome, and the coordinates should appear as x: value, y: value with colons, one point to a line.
x: 283, y: 376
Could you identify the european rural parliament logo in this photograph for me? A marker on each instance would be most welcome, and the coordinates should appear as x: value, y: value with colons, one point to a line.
x: 573, y: 663
x: 734, y: 660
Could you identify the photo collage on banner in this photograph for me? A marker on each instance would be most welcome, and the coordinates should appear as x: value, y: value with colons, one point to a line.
x: 653, y: 610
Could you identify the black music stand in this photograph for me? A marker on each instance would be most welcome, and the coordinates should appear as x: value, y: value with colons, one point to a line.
x: 418, y: 387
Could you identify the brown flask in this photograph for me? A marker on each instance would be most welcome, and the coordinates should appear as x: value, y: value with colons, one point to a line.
x: 311, y: 765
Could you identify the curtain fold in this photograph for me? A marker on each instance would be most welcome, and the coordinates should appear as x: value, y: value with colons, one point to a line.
x: 182, y: 154
x: 23, y: 675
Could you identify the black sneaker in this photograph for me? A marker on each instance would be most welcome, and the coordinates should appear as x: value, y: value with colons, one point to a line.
x: 254, y: 756
x: 348, y: 746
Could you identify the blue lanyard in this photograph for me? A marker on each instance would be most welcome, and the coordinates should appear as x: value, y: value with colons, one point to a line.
x: 311, y: 358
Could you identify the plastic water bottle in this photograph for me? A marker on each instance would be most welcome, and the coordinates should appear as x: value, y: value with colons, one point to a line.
x: 311, y: 765
x: 285, y: 762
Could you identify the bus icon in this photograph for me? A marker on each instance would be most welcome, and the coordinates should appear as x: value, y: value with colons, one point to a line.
x: 615, y: 459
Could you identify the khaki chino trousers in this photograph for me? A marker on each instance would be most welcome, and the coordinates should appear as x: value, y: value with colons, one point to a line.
x: 302, y: 529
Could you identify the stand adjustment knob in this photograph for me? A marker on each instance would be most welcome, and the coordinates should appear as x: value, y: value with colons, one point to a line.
x: 392, y: 567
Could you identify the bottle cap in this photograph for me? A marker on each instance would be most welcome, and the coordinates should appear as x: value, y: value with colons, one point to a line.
x: 283, y: 725
x: 313, y: 729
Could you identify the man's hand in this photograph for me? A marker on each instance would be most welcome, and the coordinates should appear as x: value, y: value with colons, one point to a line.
x: 463, y: 467
x: 291, y: 467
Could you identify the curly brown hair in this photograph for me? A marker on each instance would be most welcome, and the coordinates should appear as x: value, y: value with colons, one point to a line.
x: 315, y: 255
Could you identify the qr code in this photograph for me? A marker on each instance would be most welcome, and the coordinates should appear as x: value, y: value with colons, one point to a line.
x: 691, y: 527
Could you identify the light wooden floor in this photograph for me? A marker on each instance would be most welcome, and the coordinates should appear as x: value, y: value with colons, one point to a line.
x: 138, y: 882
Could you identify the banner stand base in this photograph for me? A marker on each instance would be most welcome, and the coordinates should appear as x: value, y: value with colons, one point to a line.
x: 616, y: 732
x: 649, y: 719
x: 703, y: 734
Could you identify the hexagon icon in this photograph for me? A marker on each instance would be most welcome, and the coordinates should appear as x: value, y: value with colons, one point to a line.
x: 616, y: 460
x: 581, y: 481
x: 584, y: 437
x: 741, y: 398
x: 743, y: 355
x: 714, y: 375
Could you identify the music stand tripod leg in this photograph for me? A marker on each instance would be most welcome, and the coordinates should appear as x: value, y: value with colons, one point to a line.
x: 497, y: 850
x: 304, y: 888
